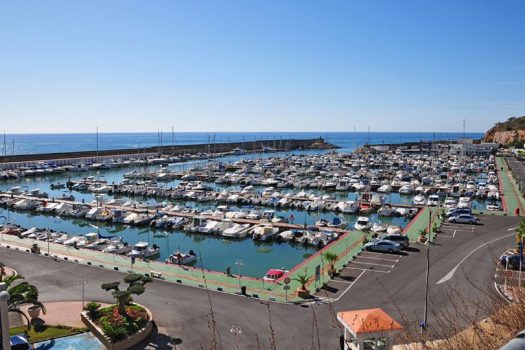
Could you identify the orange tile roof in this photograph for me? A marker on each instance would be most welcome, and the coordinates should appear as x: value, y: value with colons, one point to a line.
x: 368, y: 321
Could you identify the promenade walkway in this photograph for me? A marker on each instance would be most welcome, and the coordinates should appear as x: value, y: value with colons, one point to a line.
x: 511, y: 199
x: 346, y: 247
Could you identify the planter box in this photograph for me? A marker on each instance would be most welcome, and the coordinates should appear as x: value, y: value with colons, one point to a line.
x: 123, y: 344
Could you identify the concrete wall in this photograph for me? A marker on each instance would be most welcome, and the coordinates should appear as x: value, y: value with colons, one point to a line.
x: 166, y: 150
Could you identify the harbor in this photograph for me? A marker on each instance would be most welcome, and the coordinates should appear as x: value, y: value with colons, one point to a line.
x: 268, y: 210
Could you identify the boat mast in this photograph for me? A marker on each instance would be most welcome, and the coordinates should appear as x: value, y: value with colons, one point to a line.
x: 97, y: 143
x: 172, y: 142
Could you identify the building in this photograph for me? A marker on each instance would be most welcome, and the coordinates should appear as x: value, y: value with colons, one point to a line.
x: 467, y: 147
x: 370, y: 329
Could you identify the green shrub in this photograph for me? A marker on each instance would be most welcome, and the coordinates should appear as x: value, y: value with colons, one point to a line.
x: 93, y: 311
x: 114, y: 332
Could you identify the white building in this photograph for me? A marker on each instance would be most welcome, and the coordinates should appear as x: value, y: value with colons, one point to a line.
x: 466, y: 147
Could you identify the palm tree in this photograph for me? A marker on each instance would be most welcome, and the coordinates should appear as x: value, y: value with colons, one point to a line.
x: 303, y: 279
x: 520, y: 232
x: 332, y: 259
x: 21, y: 293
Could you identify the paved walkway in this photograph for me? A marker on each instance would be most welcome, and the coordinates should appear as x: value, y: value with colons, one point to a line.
x: 421, y: 222
x: 60, y: 313
x: 512, y: 198
x: 346, y: 247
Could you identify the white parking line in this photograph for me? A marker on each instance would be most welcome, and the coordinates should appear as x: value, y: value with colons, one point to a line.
x: 372, y: 257
x: 449, y: 236
x: 374, y: 264
x: 371, y: 270
x: 379, y: 254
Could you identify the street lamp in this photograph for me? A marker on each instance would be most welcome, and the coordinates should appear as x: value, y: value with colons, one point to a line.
x: 429, y: 241
x: 237, y: 331
x: 239, y: 264
x: 82, y: 283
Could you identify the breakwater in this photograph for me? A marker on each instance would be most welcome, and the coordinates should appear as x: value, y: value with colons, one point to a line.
x: 215, y: 149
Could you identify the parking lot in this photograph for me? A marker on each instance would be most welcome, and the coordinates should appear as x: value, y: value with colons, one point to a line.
x: 451, y: 230
x: 364, y: 263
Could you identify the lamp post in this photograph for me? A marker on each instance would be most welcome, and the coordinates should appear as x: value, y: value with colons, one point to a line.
x: 82, y: 283
x: 5, y: 220
x: 425, y: 313
x: 4, y: 321
x: 239, y: 264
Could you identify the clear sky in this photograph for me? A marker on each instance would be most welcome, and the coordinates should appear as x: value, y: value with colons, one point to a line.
x: 272, y: 65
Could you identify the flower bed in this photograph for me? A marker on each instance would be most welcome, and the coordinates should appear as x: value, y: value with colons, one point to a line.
x: 116, y: 331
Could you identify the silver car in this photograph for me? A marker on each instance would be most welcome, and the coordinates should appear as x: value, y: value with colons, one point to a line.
x: 383, y: 246
x: 463, y: 219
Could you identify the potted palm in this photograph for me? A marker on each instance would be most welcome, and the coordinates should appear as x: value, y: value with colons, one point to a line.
x: 34, y: 312
x: 332, y: 259
x: 422, y: 236
x: 35, y: 248
x: 302, y: 292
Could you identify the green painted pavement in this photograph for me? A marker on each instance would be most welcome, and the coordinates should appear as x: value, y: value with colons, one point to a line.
x: 511, y: 194
x: 346, y: 247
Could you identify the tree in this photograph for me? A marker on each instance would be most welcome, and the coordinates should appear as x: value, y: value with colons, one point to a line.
x: 332, y: 259
x: 136, y: 283
x: 21, y: 293
x: 302, y: 279
x: 520, y: 233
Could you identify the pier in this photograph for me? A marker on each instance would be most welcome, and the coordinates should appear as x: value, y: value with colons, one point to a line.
x: 211, y: 149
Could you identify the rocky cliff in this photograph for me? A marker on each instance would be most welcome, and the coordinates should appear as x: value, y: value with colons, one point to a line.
x: 509, y: 132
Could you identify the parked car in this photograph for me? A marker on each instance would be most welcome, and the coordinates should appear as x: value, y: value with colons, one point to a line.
x: 463, y: 219
x: 381, y: 245
x: 398, y: 238
x: 458, y: 211
x: 511, y: 262
x: 20, y: 342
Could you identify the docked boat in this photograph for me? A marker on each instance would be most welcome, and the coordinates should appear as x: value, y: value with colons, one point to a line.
x: 362, y: 224
x: 179, y: 258
x: 144, y: 251
x: 274, y: 274
x: 264, y: 232
x: 419, y: 199
x: 237, y: 231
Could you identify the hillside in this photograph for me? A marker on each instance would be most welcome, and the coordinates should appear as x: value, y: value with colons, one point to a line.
x: 509, y: 132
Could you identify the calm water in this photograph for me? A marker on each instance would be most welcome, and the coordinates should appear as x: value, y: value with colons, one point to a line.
x: 47, y: 143
x: 217, y: 253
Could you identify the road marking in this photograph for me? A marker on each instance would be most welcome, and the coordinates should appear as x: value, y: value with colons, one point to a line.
x: 512, y: 229
x: 501, y: 294
x: 449, y: 275
x: 371, y: 257
x: 378, y: 254
x: 350, y: 286
x: 367, y: 263
x: 361, y: 269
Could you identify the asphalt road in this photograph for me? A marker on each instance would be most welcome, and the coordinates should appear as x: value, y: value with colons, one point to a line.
x: 395, y: 283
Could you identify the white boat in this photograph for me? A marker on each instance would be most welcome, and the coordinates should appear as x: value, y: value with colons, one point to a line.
x: 362, y: 224
x: 464, y: 202
x: 264, y: 232
x: 406, y: 189
x: 179, y: 258
x: 210, y: 227
x: 144, y: 251
x: 377, y: 227
x: 237, y: 231
x: 72, y: 241
x: 393, y: 229
x: 117, y: 247
x: 419, y: 200
x: 86, y: 239
x: 433, y: 200
x: 384, y: 189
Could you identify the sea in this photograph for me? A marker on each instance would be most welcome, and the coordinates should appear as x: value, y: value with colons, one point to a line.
x: 14, y: 144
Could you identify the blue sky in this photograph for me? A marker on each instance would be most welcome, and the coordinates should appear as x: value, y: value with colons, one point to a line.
x: 69, y: 66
